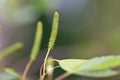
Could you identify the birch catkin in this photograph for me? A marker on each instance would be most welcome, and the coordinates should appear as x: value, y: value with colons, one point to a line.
x: 54, y: 31
x: 10, y: 50
x: 51, y: 40
x: 37, y: 41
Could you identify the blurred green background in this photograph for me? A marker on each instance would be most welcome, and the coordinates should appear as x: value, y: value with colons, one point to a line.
x: 87, y: 28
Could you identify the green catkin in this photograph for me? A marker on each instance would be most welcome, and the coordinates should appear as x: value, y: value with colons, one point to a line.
x: 54, y: 31
x: 37, y: 42
x: 11, y: 71
x: 51, y: 40
x: 10, y: 50
x: 35, y: 49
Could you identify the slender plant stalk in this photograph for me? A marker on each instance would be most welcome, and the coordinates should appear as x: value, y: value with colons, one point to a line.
x: 50, y: 77
x: 63, y: 76
x: 52, y: 38
x: 41, y: 69
x: 35, y: 49
x: 26, y: 69
x: 45, y: 61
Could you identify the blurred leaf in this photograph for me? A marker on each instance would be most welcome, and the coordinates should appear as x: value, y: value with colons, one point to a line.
x: 39, y: 5
x: 102, y: 73
x: 100, y: 63
x: 6, y: 76
x: 95, y: 67
x: 70, y: 65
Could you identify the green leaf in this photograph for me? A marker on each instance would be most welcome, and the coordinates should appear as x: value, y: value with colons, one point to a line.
x: 100, y: 63
x: 103, y: 73
x: 95, y: 67
x: 70, y: 65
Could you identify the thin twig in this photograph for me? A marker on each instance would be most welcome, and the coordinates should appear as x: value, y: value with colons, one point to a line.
x: 26, y: 69
x: 61, y: 77
x: 49, y: 77
x: 45, y: 61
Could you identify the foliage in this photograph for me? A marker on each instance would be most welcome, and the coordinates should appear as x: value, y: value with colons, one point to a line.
x: 94, y: 67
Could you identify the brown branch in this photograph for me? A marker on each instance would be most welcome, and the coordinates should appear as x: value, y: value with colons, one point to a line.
x: 26, y: 70
x: 61, y: 77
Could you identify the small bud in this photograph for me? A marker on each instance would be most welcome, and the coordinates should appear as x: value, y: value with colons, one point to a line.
x: 50, y: 66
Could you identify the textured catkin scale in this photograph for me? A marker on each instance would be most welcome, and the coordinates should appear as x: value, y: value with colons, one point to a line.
x: 54, y: 31
x: 37, y: 41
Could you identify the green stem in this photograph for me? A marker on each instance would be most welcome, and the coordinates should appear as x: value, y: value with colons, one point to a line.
x: 45, y: 61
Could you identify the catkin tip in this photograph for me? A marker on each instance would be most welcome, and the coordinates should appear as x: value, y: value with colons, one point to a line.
x: 20, y: 44
x: 56, y: 13
x: 39, y: 23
